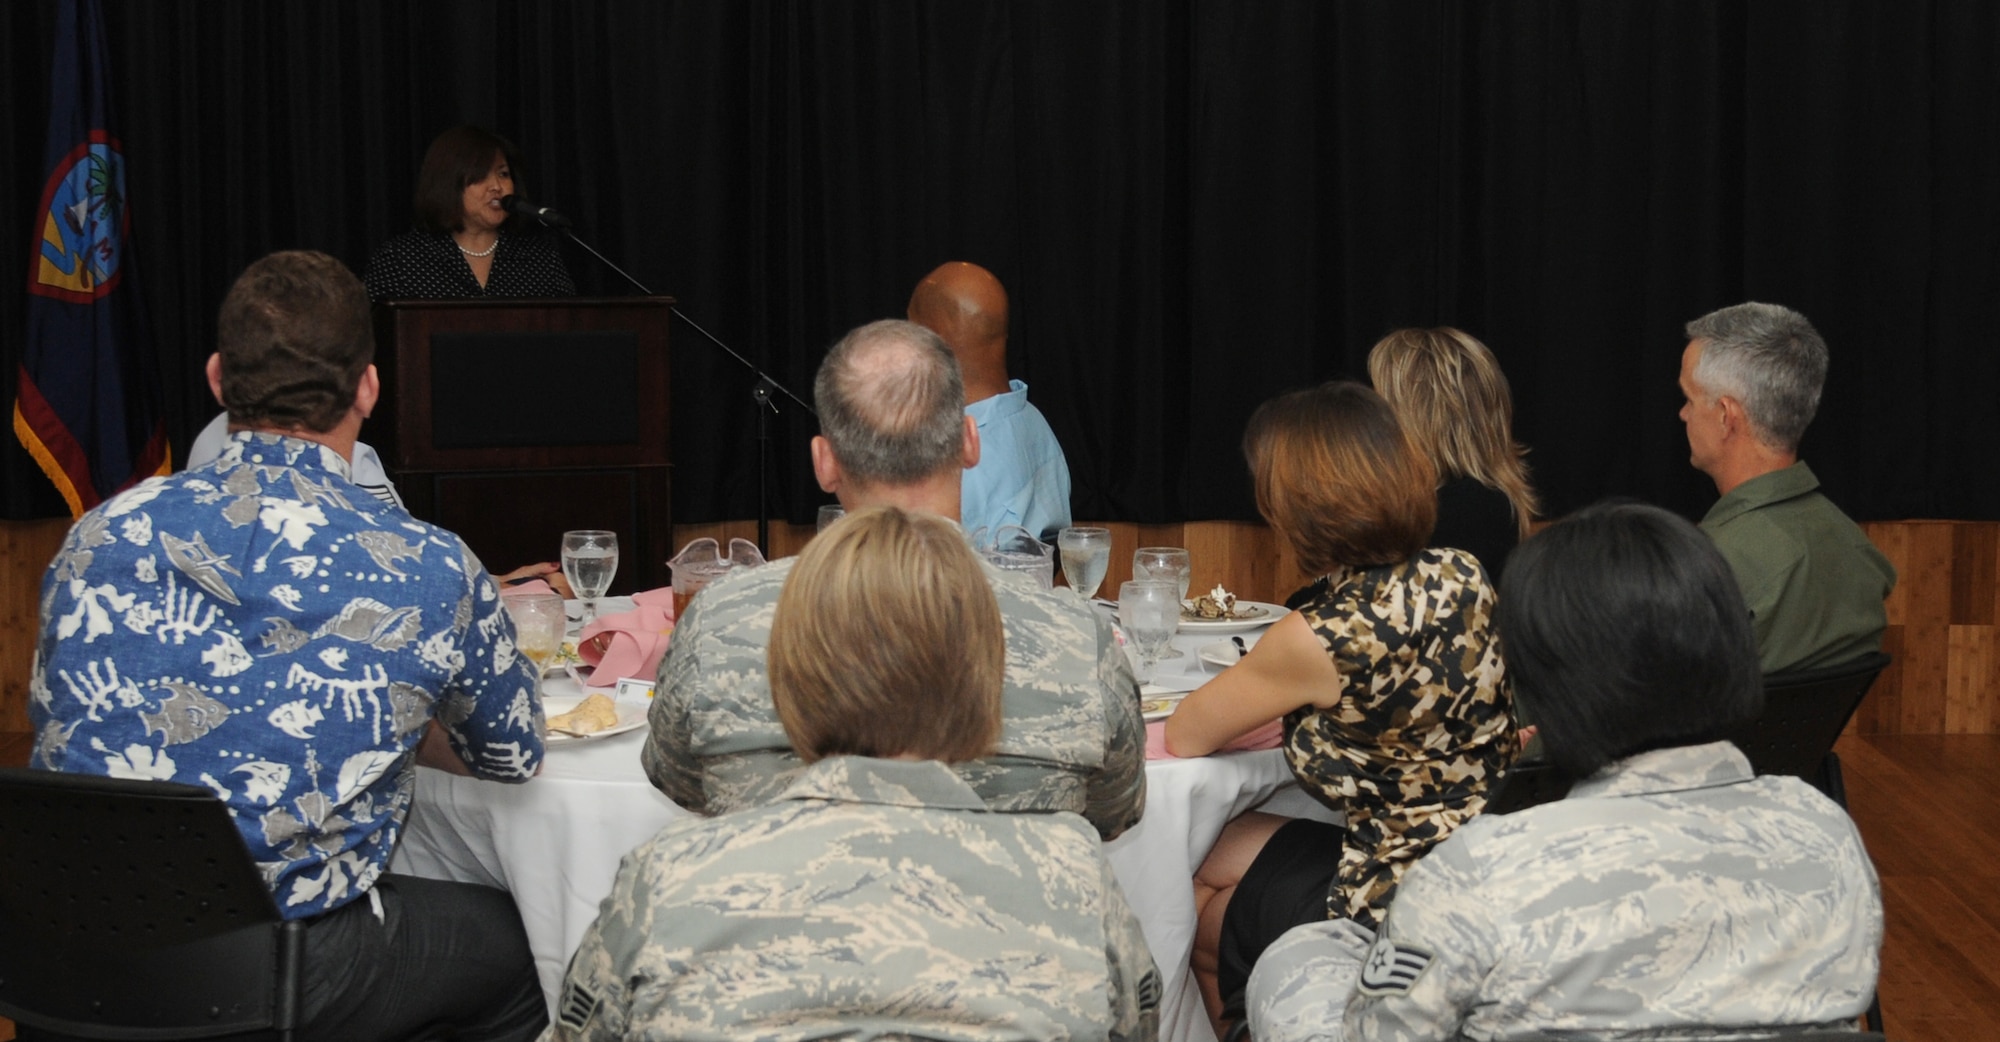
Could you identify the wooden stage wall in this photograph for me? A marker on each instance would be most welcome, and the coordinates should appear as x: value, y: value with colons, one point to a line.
x: 1944, y: 618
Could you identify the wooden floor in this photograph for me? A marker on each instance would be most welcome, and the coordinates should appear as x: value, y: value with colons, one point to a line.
x: 1929, y: 809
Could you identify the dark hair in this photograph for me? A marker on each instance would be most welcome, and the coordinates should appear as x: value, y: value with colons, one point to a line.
x: 458, y: 157
x: 1624, y: 631
x: 887, y: 641
x: 295, y: 335
x: 1338, y: 478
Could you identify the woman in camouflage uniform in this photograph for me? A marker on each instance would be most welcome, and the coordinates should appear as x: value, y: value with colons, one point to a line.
x: 1389, y: 682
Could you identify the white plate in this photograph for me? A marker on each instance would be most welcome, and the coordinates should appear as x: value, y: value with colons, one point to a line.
x: 1224, y: 653
x: 1159, y: 707
x: 1271, y: 614
x: 631, y: 716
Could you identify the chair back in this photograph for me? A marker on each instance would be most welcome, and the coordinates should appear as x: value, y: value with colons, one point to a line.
x: 131, y: 909
x: 1528, y: 783
x: 1804, y: 714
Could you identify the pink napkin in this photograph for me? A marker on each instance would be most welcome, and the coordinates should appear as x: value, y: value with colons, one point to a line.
x: 634, y: 641
x: 531, y: 586
x: 1266, y: 737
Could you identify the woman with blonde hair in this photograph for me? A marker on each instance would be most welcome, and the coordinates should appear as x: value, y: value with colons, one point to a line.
x: 1388, y: 680
x: 1454, y: 403
x: 878, y: 896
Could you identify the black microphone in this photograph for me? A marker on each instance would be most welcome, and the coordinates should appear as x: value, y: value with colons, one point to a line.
x: 549, y: 218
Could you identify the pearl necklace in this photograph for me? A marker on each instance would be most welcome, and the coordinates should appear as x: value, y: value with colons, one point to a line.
x: 487, y: 252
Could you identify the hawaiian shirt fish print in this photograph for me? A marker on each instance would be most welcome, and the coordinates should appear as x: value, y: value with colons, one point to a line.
x: 1424, y: 723
x: 266, y: 629
x: 874, y: 899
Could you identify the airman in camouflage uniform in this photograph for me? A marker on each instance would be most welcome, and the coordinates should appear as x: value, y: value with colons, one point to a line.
x: 875, y: 898
x: 1424, y: 722
x: 1671, y: 894
x: 1071, y: 738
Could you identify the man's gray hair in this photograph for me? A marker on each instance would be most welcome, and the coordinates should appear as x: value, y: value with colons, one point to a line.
x: 892, y: 404
x: 1769, y: 358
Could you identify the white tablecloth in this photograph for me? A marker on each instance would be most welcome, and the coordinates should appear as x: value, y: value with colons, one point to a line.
x: 555, y: 842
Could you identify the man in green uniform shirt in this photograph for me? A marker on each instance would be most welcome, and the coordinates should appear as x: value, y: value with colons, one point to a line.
x: 1751, y: 377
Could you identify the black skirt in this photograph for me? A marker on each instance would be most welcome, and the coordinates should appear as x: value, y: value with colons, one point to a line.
x: 1286, y: 886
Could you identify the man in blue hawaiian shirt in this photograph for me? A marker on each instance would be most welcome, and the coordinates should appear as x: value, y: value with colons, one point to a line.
x: 263, y: 627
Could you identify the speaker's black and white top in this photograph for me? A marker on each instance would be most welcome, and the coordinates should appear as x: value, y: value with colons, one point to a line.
x: 425, y: 265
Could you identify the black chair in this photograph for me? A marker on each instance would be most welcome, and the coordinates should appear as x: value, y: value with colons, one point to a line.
x: 1804, y: 714
x: 132, y: 910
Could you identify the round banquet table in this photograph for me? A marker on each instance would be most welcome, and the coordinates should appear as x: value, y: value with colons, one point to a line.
x: 554, y: 843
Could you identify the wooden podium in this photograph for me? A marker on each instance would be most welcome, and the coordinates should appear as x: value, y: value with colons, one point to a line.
x: 511, y: 422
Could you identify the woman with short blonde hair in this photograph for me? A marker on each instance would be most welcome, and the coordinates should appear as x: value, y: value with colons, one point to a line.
x: 1455, y: 404
x: 877, y: 896
x: 906, y: 588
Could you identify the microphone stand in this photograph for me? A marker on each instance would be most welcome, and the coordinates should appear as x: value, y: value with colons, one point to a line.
x: 760, y: 393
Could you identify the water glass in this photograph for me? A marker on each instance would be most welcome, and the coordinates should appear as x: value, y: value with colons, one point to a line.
x: 1164, y: 562
x: 538, y: 628
x: 1149, y: 611
x: 589, y: 560
x: 1086, y: 556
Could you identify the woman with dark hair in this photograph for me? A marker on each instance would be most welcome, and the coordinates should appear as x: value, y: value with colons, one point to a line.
x: 464, y: 244
x: 1672, y: 893
x: 1389, y: 681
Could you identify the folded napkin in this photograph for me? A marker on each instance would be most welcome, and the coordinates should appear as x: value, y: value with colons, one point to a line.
x: 629, y: 643
x: 1268, y: 736
x: 531, y: 586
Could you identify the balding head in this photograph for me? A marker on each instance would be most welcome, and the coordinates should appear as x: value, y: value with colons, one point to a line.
x: 963, y: 303
x: 892, y: 405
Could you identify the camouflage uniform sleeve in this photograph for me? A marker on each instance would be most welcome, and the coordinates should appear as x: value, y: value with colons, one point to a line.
x: 1300, y: 986
x: 1115, y: 794
x: 1134, y: 979
x: 489, y: 710
x: 1422, y: 975
x: 668, y: 755
x: 595, y: 1005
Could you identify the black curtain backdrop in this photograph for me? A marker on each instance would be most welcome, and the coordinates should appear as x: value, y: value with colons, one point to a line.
x: 1195, y: 205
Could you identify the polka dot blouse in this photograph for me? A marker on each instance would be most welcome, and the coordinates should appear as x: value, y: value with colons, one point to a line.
x: 422, y: 265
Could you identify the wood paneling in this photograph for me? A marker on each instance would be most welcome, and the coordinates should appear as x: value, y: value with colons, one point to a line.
x: 26, y: 547
x: 1944, y: 625
x: 1944, y: 618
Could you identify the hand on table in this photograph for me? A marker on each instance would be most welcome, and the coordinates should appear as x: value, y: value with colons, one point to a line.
x: 547, y: 571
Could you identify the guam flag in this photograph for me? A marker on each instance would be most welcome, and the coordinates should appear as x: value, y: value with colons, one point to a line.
x: 88, y: 407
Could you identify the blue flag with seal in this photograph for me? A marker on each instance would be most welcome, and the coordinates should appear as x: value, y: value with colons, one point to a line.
x: 88, y: 405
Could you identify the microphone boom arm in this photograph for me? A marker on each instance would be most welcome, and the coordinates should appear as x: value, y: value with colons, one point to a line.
x: 764, y: 379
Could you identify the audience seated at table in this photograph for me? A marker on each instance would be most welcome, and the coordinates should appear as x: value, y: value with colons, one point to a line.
x: 892, y: 409
x: 1022, y: 477
x: 260, y: 627
x: 1751, y: 376
x: 878, y: 896
x: 1389, y: 681
x: 1672, y: 891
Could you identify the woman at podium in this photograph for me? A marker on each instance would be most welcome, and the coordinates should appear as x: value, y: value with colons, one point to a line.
x: 464, y: 244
